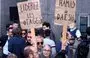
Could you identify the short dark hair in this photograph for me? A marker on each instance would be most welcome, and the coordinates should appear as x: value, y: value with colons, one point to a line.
x: 16, y: 31
x: 47, y: 24
x: 24, y: 30
x: 88, y: 30
x: 39, y: 32
x: 8, y: 25
x: 47, y: 32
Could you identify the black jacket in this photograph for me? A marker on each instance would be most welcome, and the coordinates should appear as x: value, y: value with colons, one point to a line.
x: 3, y: 40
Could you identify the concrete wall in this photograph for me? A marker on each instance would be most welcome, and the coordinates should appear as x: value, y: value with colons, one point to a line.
x: 83, y: 6
x: 5, y: 4
x: 0, y: 17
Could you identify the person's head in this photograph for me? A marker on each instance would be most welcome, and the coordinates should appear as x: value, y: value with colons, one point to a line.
x: 23, y: 33
x: 68, y: 35
x: 47, y: 33
x: 15, y: 25
x: 9, y: 26
x: 46, y: 51
x: 16, y: 31
x: 9, y: 32
x: 11, y: 56
x: 28, y: 53
x: 39, y: 42
x: 72, y: 25
x: 71, y: 40
x: 46, y: 25
x: 29, y: 36
x: 88, y: 31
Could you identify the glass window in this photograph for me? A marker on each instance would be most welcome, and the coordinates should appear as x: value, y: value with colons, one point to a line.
x: 83, y: 25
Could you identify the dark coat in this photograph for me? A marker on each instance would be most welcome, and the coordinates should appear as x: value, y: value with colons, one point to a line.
x: 16, y: 45
x: 3, y: 40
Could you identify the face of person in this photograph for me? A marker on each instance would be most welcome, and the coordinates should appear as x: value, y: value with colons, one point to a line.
x: 11, y: 26
x: 68, y: 35
x: 46, y: 51
x: 72, y: 25
x: 45, y: 27
x: 10, y: 32
x: 29, y: 37
x: 39, y: 42
x: 31, y: 56
x: 23, y: 34
x: 15, y: 25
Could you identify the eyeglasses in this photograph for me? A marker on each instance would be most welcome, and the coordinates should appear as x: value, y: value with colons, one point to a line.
x: 29, y: 36
x: 39, y: 43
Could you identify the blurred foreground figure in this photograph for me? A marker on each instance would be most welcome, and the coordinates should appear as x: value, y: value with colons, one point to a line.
x: 5, y: 47
x: 83, y: 47
x: 47, y: 51
x: 11, y: 56
x: 16, y: 44
x: 48, y: 41
x: 46, y: 26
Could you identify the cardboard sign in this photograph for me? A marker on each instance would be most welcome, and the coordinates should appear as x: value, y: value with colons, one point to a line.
x: 65, y: 11
x: 29, y: 14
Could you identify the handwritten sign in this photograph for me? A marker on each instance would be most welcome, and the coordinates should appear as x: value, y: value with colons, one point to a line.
x: 65, y: 11
x: 30, y: 14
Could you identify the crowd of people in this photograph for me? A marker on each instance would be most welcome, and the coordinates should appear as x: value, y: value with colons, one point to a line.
x: 18, y: 43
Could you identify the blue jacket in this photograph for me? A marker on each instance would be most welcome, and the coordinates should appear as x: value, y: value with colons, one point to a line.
x: 16, y: 45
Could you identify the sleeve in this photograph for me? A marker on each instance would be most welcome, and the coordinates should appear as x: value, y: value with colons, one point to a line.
x: 53, y: 49
x: 58, y: 46
x: 52, y: 36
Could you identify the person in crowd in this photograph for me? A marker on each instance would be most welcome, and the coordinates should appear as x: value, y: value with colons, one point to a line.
x: 88, y: 39
x: 47, y: 25
x: 50, y: 42
x: 83, y: 48
x: 29, y: 52
x: 39, y: 45
x: 47, y: 51
x: 68, y: 45
x: 9, y: 26
x: 29, y: 38
x: 39, y: 42
x: 75, y: 32
x: 5, y: 47
x: 4, y: 38
x: 24, y: 34
x: 16, y: 44
x: 11, y: 56
x: 61, y: 54
x: 15, y: 25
